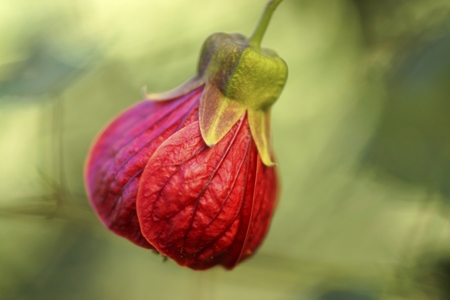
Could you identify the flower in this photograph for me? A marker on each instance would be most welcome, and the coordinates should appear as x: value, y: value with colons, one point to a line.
x: 190, y: 173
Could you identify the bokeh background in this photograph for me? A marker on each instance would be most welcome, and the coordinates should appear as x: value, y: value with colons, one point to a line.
x: 361, y: 132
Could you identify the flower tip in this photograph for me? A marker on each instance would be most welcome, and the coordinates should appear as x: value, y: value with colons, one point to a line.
x: 268, y: 162
x: 208, y: 141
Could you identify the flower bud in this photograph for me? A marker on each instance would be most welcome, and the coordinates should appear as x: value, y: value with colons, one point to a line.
x: 189, y: 173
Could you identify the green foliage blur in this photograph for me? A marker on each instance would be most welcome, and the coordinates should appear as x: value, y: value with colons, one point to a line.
x: 361, y: 133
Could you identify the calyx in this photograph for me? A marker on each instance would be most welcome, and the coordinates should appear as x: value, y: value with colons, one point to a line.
x: 237, y: 77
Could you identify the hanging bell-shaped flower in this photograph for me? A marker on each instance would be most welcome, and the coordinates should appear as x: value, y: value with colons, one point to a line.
x: 190, y: 173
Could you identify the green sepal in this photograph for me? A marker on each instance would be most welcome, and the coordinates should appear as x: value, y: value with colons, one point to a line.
x: 259, y: 122
x: 182, y: 90
x: 239, y: 78
x: 217, y: 114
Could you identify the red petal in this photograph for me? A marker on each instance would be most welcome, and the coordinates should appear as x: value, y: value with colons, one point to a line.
x: 119, y: 155
x: 204, y: 206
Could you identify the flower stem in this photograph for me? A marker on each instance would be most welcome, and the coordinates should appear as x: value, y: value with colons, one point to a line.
x: 258, y: 34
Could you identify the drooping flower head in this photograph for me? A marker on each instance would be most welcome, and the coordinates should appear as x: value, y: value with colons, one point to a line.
x: 190, y: 173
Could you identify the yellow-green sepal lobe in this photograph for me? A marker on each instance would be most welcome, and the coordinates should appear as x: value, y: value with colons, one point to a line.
x: 259, y: 122
x: 217, y: 114
x: 257, y: 80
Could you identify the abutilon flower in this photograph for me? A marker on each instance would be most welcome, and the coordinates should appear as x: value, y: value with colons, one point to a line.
x: 189, y: 173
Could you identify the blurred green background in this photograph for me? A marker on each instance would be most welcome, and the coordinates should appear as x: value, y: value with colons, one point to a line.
x: 361, y: 132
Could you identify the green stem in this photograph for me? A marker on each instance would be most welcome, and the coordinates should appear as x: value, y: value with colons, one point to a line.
x: 258, y: 34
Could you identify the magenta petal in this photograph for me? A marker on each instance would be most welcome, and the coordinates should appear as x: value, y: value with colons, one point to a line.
x: 204, y: 206
x: 121, y: 152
